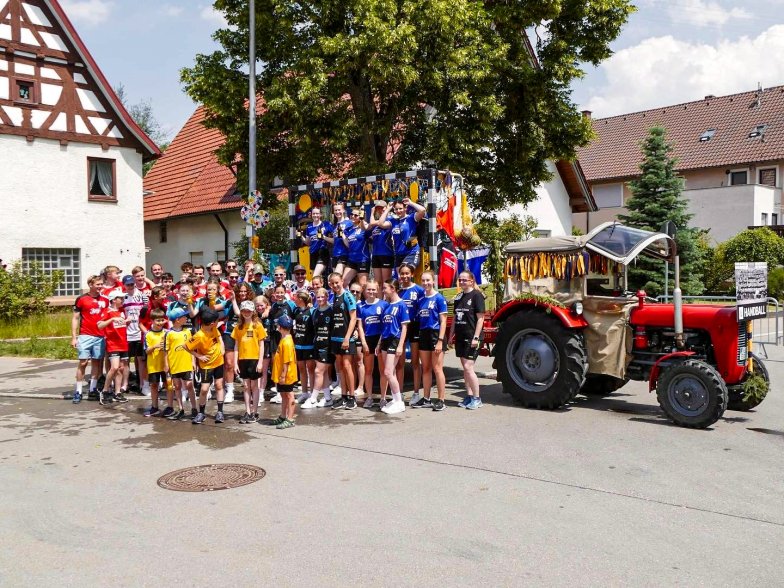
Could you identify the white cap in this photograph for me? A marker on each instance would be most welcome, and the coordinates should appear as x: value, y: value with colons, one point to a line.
x: 247, y: 305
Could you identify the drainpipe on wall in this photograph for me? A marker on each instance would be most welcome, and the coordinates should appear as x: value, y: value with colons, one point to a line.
x: 225, y: 237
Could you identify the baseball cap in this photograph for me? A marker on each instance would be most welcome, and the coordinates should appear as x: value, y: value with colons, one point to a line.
x: 380, y: 203
x: 128, y: 280
x: 299, y: 268
x: 257, y: 269
x: 116, y: 294
x: 285, y: 322
x: 176, y: 313
x: 247, y: 305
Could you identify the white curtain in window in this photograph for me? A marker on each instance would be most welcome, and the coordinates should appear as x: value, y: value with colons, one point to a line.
x: 102, y: 171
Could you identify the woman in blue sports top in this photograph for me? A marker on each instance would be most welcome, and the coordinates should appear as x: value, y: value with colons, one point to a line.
x: 404, y: 235
x: 315, y: 238
x: 339, y: 245
x: 383, y: 257
x: 371, y: 311
x: 431, y: 316
x: 411, y: 293
x: 394, y: 323
x: 356, y: 238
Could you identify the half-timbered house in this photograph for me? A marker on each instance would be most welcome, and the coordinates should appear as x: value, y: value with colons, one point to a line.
x: 70, y: 154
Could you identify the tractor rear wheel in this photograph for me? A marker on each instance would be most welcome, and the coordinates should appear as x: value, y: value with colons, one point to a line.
x: 542, y: 363
x: 692, y: 394
x: 601, y: 385
x: 736, y: 401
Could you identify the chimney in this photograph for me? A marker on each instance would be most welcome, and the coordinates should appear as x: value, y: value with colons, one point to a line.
x: 709, y: 97
x: 587, y: 114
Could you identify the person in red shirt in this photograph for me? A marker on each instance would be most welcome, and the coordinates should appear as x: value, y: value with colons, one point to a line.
x: 86, y: 337
x: 112, y: 279
x: 157, y: 300
x: 114, y: 323
x: 199, y: 283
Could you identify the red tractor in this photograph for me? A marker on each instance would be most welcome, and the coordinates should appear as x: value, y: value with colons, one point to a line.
x: 569, y: 325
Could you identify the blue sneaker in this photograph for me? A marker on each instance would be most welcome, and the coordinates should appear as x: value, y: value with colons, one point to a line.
x: 77, y: 397
x: 474, y: 403
x: 465, y: 402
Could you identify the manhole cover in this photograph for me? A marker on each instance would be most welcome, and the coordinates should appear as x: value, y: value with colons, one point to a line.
x: 205, y: 478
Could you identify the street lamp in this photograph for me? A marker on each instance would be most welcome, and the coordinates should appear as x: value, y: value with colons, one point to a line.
x: 251, y: 114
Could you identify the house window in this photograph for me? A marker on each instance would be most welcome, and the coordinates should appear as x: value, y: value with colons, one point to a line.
x: 197, y: 257
x: 767, y: 176
x: 707, y: 135
x: 50, y: 260
x: 608, y: 195
x: 774, y: 219
x: 764, y: 219
x: 220, y: 256
x: 758, y: 131
x: 739, y: 178
x: 25, y: 91
x: 163, y: 230
x: 101, y: 180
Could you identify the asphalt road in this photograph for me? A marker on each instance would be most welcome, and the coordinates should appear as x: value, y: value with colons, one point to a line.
x: 605, y: 493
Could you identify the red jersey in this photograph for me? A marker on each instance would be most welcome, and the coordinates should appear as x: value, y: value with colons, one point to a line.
x: 90, y: 310
x: 116, y: 337
x: 200, y: 291
x: 107, y: 289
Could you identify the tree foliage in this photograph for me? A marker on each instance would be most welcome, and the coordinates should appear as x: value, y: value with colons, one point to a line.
x: 755, y: 245
x: 143, y: 115
x: 656, y: 199
x: 23, y: 291
x: 368, y: 86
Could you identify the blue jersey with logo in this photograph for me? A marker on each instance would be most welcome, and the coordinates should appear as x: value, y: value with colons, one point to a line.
x: 339, y: 249
x: 411, y: 296
x: 342, y: 306
x: 371, y: 315
x: 382, y: 241
x: 430, y: 310
x: 395, y: 315
x: 312, y: 233
x: 403, y: 229
x: 358, y: 244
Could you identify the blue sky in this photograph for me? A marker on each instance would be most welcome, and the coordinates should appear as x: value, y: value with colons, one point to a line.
x: 670, y: 51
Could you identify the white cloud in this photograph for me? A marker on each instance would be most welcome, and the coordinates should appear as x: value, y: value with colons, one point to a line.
x: 172, y: 10
x: 87, y: 11
x: 210, y: 14
x: 664, y: 70
x: 704, y: 13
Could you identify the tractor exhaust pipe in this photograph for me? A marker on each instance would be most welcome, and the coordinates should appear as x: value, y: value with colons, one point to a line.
x: 677, y: 299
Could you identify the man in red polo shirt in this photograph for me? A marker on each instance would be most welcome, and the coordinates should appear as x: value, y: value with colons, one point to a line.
x: 86, y: 337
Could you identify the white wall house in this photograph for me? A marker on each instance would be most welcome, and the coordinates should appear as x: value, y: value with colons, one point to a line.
x: 71, y: 180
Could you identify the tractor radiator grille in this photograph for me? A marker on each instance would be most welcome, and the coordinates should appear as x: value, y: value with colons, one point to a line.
x: 743, y: 346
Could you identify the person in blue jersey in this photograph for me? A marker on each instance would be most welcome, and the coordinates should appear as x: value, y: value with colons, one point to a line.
x: 431, y: 316
x: 411, y: 294
x: 391, y: 346
x: 371, y: 310
x: 383, y: 256
x: 343, y: 345
x: 315, y: 238
x: 404, y: 233
x: 339, y: 245
x: 357, y: 239
x: 321, y: 317
x: 303, y: 348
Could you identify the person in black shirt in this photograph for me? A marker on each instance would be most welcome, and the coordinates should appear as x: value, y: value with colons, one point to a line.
x: 467, y: 333
x: 321, y: 317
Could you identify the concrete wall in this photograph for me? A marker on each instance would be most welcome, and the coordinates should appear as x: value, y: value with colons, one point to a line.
x: 189, y: 234
x: 729, y: 210
x: 43, y: 188
x: 551, y: 209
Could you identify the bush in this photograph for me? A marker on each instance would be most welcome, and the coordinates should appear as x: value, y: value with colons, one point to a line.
x: 23, y: 292
x: 755, y: 245
x: 776, y: 283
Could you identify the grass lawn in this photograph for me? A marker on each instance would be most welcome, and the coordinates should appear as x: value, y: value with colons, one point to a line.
x: 45, y: 348
x: 45, y: 325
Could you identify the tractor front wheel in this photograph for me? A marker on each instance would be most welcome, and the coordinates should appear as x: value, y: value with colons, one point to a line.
x: 692, y: 394
x: 541, y: 363
x: 736, y: 401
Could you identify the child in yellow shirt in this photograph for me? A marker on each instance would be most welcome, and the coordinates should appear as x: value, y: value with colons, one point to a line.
x: 156, y: 363
x: 206, y: 346
x: 284, y: 373
x: 249, y: 334
x: 179, y: 362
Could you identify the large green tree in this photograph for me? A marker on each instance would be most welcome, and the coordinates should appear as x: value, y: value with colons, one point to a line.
x: 367, y: 86
x: 656, y: 199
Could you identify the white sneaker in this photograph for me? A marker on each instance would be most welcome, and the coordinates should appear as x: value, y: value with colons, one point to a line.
x: 336, y: 391
x: 414, y: 399
x: 311, y: 402
x: 274, y: 389
x: 359, y: 391
x: 228, y: 397
x: 146, y: 390
x: 368, y: 402
x: 324, y: 402
x: 302, y: 397
x: 395, y: 407
x: 276, y: 399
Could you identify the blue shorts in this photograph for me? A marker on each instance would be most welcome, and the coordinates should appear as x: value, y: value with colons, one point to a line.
x: 412, y: 258
x: 89, y: 347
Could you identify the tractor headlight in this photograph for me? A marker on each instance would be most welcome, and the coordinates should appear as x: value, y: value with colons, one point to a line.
x: 577, y: 308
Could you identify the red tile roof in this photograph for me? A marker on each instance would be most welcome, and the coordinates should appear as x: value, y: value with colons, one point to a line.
x: 615, y: 153
x: 188, y: 178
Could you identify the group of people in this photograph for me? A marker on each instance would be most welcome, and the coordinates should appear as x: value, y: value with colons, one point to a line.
x: 212, y: 328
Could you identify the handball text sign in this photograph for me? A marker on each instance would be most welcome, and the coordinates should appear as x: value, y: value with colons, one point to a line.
x: 751, y: 290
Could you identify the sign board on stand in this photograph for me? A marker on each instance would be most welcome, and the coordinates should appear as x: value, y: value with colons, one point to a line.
x: 751, y: 290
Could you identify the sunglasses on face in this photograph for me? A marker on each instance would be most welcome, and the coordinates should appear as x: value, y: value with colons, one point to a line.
x: 234, y: 277
x: 299, y: 273
x: 355, y: 292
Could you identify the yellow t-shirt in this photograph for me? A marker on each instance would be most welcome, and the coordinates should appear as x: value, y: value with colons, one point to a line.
x: 209, y: 344
x: 285, y: 355
x: 248, y: 340
x: 180, y: 360
x: 155, y: 360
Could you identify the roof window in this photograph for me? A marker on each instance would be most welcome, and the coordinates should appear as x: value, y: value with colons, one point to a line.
x: 707, y: 135
x: 758, y: 131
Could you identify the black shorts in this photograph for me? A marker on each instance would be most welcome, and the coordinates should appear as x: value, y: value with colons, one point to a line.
x: 383, y: 261
x: 213, y: 374
x: 412, y: 333
x: 428, y: 339
x: 463, y: 348
x: 322, y: 355
x: 336, y: 347
x: 284, y: 388
x: 339, y: 259
x: 229, y: 343
x: 389, y: 345
x: 372, y: 342
x: 136, y: 349
x: 184, y: 376
x: 156, y: 378
x: 304, y: 354
x: 248, y: 369
x: 267, y: 348
x: 120, y: 354
x: 361, y: 267
x: 321, y: 256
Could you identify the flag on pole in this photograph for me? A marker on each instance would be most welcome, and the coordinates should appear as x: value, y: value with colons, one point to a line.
x: 472, y: 261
